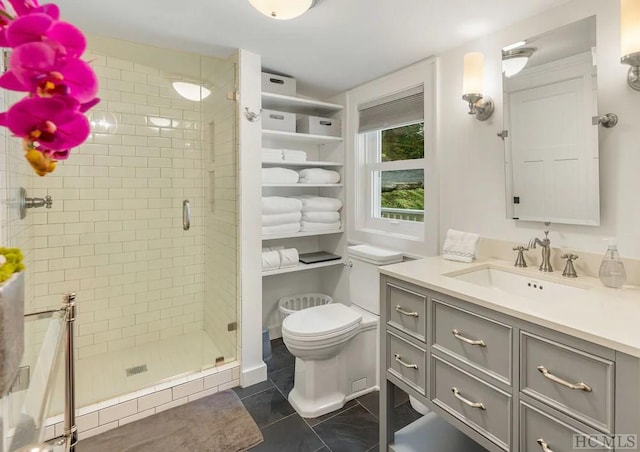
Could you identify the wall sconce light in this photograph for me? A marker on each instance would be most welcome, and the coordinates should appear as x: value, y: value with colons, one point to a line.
x: 472, y: 86
x: 283, y: 9
x: 630, y: 40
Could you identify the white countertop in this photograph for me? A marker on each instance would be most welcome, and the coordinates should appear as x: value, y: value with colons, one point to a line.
x: 604, y: 316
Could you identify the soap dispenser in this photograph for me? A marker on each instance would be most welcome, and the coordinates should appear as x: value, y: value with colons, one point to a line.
x: 612, y: 272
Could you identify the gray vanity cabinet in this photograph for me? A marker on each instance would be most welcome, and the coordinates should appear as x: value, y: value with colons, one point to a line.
x: 508, y: 384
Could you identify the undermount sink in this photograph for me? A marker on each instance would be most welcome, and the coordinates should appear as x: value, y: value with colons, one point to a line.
x: 519, y: 285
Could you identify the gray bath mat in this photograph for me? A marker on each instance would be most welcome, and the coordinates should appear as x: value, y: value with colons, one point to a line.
x: 217, y: 423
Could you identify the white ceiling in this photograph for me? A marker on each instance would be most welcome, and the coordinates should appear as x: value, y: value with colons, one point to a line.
x: 335, y: 46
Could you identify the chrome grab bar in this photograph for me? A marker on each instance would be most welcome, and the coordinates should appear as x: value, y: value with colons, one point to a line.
x: 543, y: 445
x: 459, y: 336
x: 548, y: 375
x: 457, y: 395
x: 407, y: 313
x: 398, y: 358
x: 186, y: 215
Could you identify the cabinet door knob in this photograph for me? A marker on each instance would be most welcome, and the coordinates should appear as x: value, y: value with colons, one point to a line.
x: 466, y: 340
x: 467, y: 402
x: 548, y: 375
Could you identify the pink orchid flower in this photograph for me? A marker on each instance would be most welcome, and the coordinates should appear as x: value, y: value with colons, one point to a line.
x: 5, y: 21
x: 24, y: 7
x: 35, y: 68
x: 63, y: 37
x: 46, y: 124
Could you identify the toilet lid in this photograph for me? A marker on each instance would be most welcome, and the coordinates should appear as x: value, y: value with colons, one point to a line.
x: 321, y: 320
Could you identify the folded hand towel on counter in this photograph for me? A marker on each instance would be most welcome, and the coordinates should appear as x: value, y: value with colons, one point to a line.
x: 281, y: 229
x: 318, y: 176
x: 279, y: 176
x: 312, y: 203
x: 281, y: 218
x: 294, y: 156
x: 307, y: 226
x: 270, y: 260
x: 321, y: 217
x: 272, y: 205
x: 288, y: 257
x: 460, y: 246
x: 271, y: 155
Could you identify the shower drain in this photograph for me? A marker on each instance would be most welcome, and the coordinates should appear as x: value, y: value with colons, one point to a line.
x: 136, y: 370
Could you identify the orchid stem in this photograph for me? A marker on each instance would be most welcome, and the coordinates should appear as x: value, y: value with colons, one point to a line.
x: 6, y: 14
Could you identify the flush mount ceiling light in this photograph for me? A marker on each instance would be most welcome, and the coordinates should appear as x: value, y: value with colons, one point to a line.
x: 630, y: 40
x: 191, y: 91
x: 283, y: 9
x: 513, y: 61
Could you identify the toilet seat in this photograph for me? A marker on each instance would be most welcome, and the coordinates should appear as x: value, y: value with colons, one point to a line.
x: 326, y: 321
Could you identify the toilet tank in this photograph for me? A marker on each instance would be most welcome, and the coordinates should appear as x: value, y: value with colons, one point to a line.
x: 364, y: 280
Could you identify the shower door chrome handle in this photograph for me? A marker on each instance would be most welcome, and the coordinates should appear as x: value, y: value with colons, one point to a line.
x: 186, y: 215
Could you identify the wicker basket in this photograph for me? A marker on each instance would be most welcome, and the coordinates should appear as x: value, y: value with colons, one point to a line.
x: 289, y: 305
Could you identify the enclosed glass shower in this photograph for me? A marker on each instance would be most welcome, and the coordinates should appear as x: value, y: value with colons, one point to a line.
x: 143, y: 223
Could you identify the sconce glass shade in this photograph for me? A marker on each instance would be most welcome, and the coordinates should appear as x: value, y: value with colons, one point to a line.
x: 514, y: 61
x: 282, y: 9
x: 191, y: 91
x: 630, y: 40
x: 473, y: 76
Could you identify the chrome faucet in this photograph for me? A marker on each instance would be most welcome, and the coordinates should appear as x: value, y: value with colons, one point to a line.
x: 545, y: 244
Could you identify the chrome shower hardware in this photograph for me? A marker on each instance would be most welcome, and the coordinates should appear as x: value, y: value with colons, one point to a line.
x: 25, y: 203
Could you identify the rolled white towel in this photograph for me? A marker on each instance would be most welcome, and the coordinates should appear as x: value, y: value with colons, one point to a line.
x: 294, y: 156
x: 281, y: 218
x: 307, y: 226
x: 321, y: 217
x: 288, y: 257
x: 270, y: 260
x: 272, y: 205
x: 460, y: 246
x: 271, y: 155
x: 279, y: 176
x: 318, y: 176
x: 281, y: 229
x: 312, y: 203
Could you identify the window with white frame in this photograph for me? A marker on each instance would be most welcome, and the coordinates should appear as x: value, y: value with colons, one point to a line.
x: 391, y: 154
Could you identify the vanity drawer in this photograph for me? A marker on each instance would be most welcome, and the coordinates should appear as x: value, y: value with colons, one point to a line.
x: 539, y: 429
x: 481, y: 342
x: 478, y: 404
x: 570, y: 380
x: 407, y: 362
x: 406, y: 310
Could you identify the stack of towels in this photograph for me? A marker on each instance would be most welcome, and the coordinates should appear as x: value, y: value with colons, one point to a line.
x: 460, y: 246
x: 281, y: 215
x: 318, y: 176
x: 277, y: 155
x: 319, y: 213
x: 279, y: 257
x: 279, y: 176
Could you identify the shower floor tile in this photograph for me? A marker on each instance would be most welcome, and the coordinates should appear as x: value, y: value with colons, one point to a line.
x: 104, y: 376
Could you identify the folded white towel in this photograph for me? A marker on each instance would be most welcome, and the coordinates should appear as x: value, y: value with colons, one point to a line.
x: 294, y: 156
x: 270, y: 260
x: 460, y: 246
x: 279, y: 176
x: 318, y: 176
x: 312, y: 203
x: 271, y: 155
x: 307, y: 226
x: 281, y: 218
x: 288, y: 257
x: 278, y: 204
x: 321, y: 217
x: 281, y: 229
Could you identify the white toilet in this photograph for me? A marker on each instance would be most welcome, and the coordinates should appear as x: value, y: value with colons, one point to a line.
x: 336, y: 346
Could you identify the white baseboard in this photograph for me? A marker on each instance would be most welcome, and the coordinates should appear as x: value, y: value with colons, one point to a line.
x: 254, y: 375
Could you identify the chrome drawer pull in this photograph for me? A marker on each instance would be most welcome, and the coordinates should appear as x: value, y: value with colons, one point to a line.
x: 543, y: 445
x: 407, y: 313
x: 457, y: 334
x: 407, y: 365
x: 457, y: 395
x: 582, y: 386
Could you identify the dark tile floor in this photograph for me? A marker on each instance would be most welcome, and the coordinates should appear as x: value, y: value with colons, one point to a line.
x: 353, y: 428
